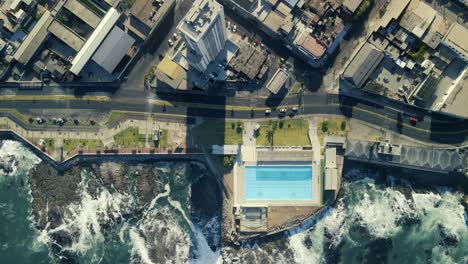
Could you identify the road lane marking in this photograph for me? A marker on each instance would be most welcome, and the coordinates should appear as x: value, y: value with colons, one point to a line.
x: 53, y: 98
x: 410, y: 126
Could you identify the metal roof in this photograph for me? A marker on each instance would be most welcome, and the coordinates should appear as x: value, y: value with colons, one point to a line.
x: 113, y: 49
x: 362, y: 65
x: 94, y: 40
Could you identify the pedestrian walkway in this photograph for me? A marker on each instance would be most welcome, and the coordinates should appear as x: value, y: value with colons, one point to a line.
x: 249, y: 152
x: 316, y: 158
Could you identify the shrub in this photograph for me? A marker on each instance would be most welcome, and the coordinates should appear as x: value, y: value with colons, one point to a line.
x: 343, y: 125
x: 325, y: 126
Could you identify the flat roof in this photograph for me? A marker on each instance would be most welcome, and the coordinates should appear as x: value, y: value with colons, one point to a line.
x: 457, y: 38
x: 418, y: 17
x: 66, y: 35
x: 142, y: 9
x: 113, y: 49
x: 330, y: 158
x: 199, y: 18
x: 274, y: 21
x: 311, y: 45
x: 34, y: 39
x: 170, y: 68
x: 278, y: 80
x: 352, y: 5
x: 282, y: 8
x: 331, y: 178
x: 94, y: 40
x: 83, y: 12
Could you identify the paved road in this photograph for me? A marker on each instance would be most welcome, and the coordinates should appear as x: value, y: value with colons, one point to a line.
x: 433, y: 127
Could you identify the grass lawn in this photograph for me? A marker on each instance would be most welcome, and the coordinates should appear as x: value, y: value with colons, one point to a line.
x: 292, y: 132
x: 296, y: 88
x: 219, y: 133
x: 49, y: 144
x: 17, y: 114
x: 331, y: 126
x: 131, y: 138
x: 114, y: 116
x: 72, y: 144
x: 163, y: 138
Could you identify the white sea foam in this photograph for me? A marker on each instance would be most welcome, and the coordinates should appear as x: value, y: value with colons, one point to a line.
x: 204, y: 252
x: 84, y: 219
x: 26, y: 159
x: 159, y: 231
x: 139, y: 246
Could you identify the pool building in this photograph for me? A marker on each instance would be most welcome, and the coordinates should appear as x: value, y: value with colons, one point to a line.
x: 275, y: 187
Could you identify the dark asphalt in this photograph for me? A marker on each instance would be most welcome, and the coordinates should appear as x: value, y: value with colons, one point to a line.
x: 431, y: 127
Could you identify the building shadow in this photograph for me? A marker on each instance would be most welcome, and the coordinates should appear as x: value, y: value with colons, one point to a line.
x: 448, y: 129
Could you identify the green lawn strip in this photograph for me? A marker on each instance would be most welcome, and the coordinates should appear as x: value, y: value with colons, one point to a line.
x: 163, y: 138
x: 331, y: 126
x: 49, y: 144
x: 115, y: 115
x: 72, y: 144
x: 292, y: 132
x: 219, y: 133
x: 17, y: 114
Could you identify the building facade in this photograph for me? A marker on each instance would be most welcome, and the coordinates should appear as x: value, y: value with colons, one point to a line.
x: 204, y: 31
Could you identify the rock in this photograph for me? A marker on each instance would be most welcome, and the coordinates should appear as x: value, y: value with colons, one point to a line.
x: 8, y: 164
x: 52, y: 191
x: 148, y: 183
x: 113, y: 174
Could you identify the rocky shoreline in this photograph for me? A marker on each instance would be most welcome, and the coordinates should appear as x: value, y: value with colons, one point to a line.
x: 55, y: 191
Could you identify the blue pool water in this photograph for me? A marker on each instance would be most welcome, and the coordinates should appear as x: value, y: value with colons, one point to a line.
x: 278, y: 183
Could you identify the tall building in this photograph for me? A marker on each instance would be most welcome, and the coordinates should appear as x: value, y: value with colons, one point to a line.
x: 203, y: 29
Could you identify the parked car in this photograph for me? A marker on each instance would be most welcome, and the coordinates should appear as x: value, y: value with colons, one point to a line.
x: 171, y: 43
x: 283, y: 110
x: 234, y: 29
x: 267, y: 112
x: 295, y: 109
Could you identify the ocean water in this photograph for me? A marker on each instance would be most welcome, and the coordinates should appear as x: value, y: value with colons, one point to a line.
x: 371, y: 223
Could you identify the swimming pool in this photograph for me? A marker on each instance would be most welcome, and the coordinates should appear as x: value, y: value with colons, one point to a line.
x: 278, y: 183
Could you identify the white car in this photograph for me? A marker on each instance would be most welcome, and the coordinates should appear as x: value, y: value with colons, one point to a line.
x: 295, y: 109
x: 234, y: 29
x: 283, y: 110
x: 171, y: 43
x: 229, y: 25
x: 267, y: 112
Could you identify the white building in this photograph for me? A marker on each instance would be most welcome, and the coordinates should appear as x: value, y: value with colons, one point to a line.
x: 203, y: 29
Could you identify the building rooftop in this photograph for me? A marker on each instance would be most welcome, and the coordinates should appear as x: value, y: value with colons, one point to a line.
x: 197, y: 20
x: 34, y: 39
x: 249, y: 61
x: 278, y: 81
x: 113, y: 49
x: 66, y: 35
x: 312, y: 46
x: 142, y: 10
x: 352, y: 5
x: 92, y: 44
x: 83, y: 12
x: 457, y: 38
x: 170, y: 68
x: 274, y: 20
x: 362, y: 65
x: 418, y: 17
